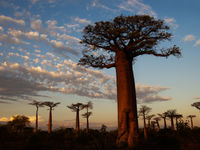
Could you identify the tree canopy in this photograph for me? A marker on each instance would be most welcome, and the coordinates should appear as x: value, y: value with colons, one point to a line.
x: 136, y: 35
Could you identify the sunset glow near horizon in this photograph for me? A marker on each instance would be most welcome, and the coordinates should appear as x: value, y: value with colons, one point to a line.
x: 40, y: 47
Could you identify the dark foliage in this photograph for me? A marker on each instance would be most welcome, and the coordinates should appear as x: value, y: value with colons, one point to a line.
x: 67, y: 139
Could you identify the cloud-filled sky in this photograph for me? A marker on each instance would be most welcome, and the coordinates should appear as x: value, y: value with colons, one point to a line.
x: 40, y: 47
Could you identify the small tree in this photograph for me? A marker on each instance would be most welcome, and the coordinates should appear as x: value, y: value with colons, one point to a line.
x: 37, y: 105
x: 143, y: 111
x: 19, y: 122
x: 87, y: 114
x: 177, y: 116
x: 76, y: 108
x: 157, y: 119
x: 164, y: 116
x: 117, y: 43
x: 149, y: 117
x: 171, y: 114
x: 51, y: 105
x: 191, y: 120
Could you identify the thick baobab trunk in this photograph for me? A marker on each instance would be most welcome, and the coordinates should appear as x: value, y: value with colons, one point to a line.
x: 165, y: 124
x: 158, y: 125
x: 191, y: 121
x: 145, y: 130
x: 149, y: 124
x: 126, y: 98
x: 77, y: 120
x: 172, y: 123
x: 176, y: 123
x: 87, y: 128
x: 36, y: 120
x: 50, y: 121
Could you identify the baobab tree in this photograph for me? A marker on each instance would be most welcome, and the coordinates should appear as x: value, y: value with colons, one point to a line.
x: 177, y: 116
x: 143, y: 111
x: 37, y: 105
x: 76, y: 108
x: 149, y: 117
x: 117, y: 43
x: 196, y: 105
x: 51, y: 105
x: 157, y: 119
x: 87, y: 114
x: 191, y: 120
x: 164, y: 116
x: 171, y: 114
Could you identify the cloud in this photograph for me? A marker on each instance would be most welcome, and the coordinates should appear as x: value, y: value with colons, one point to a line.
x: 197, y: 43
x: 61, y: 49
x: 137, y: 6
x: 52, y: 27
x: 1, y: 28
x: 37, y: 25
x: 149, y: 94
x: 6, y: 19
x: 82, y: 21
x: 18, y: 81
x: 34, y: 1
x: 196, y: 98
x: 12, y: 40
x: 171, y: 22
x: 189, y: 38
x: 95, y: 3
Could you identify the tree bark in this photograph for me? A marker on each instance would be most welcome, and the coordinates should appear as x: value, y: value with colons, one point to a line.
x: 77, y: 121
x: 145, y: 130
x: 165, y: 124
x: 36, y: 120
x: 191, y: 123
x: 87, y: 128
x: 50, y: 121
x: 158, y: 125
x: 126, y: 98
x: 172, y: 123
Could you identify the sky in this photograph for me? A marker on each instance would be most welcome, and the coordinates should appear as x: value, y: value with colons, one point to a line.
x: 40, y: 47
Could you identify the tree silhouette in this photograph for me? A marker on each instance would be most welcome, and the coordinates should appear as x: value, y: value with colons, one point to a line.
x: 196, y: 105
x: 191, y: 120
x: 117, y: 43
x: 171, y: 114
x: 164, y: 116
x: 18, y: 123
x: 157, y: 119
x: 76, y: 108
x: 87, y: 114
x: 143, y: 111
x: 51, y: 105
x: 37, y: 105
x: 177, y: 116
x: 149, y: 117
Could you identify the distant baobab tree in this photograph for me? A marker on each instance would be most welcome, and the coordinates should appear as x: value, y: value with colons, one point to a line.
x: 177, y: 116
x: 191, y: 120
x: 117, y: 43
x: 37, y: 104
x: 143, y: 111
x: 149, y: 117
x: 76, y: 108
x: 87, y: 114
x: 164, y: 116
x: 196, y: 105
x: 157, y: 119
x: 171, y: 114
x: 51, y: 105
